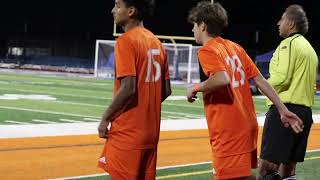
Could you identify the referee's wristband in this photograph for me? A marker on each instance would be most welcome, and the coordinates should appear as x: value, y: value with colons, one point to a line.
x: 196, y: 88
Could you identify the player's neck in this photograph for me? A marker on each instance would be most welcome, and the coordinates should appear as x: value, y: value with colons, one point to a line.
x: 207, y: 38
x: 132, y: 24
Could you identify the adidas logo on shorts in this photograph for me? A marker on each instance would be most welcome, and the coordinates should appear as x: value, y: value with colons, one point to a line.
x: 103, y: 160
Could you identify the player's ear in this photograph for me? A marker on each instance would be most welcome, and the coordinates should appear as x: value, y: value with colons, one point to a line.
x: 132, y: 11
x: 292, y: 25
x: 203, y: 26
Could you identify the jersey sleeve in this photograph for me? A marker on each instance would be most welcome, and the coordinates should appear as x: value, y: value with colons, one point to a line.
x: 210, y: 62
x: 125, y: 58
x: 281, y: 66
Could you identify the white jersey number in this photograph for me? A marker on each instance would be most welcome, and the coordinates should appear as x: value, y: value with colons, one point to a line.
x: 153, y: 77
x: 236, y: 67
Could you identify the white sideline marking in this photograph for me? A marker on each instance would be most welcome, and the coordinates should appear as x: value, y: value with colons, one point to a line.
x: 61, y: 94
x: 62, y: 129
x: 260, y: 97
x: 16, y: 122
x: 79, y: 177
x: 91, y: 119
x: 70, y: 120
x: 159, y: 168
x: 48, y: 112
x: 174, y: 117
x: 27, y: 96
x: 174, y: 98
x: 41, y: 130
x: 42, y: 121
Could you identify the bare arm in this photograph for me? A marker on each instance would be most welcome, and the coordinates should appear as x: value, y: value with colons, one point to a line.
x: 287, y: 117
x: 268, y: 90
x: 218, y: 80
x: 166, y: 90
x: 124, y: 95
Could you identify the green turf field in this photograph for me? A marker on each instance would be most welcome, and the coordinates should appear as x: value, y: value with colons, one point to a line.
x: 79, y: 100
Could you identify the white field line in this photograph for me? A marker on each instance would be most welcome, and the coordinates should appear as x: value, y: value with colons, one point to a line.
x: 91, y: 119
x: 63, y: 129
x: 59, y: 94
x: 84, y: 104
x: 48, y: 112
x: 42, y: 130
x: 95, y: 97
x: 80, y: 177
x: 16, y: 122
x: 70, y: 120
x: 174, y: 117
x: 159, y: 168
x: 43, y: 121
x: 105, y: 106
x: 192, y: 116
x: 76, y: 103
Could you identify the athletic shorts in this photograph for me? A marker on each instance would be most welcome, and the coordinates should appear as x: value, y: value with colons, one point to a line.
x: 136, y: 164
x: 280, y: 144
x: 235, y: 166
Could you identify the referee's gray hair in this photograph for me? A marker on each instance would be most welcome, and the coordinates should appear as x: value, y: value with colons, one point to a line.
x: 297, y: 14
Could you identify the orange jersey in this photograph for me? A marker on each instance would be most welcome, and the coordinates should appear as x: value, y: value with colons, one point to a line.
x: 139, y: 53
x: 229, y: 111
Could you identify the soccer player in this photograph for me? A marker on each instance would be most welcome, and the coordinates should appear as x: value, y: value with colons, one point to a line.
x: 225, y: 69
x: 141, y: 84
x: 293, y: 73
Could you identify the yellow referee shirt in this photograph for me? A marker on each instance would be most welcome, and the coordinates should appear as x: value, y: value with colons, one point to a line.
x: 293, y: 71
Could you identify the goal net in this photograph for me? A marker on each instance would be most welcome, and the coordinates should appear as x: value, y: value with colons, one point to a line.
x: 182, y: 60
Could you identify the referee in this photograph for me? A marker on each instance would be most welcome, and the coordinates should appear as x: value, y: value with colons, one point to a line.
x: 293, y: 72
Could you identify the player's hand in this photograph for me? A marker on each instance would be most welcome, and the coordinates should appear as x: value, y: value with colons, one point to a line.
x: 103, y: 128
x: 290, y: 119
x: 191, y: 95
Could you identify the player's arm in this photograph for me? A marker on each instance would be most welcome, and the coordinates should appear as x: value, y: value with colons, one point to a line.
x: 216, y: 81
x: 287, y: 117
x: 166, y: 90
x: 166, y: 85
x: 125, y: 94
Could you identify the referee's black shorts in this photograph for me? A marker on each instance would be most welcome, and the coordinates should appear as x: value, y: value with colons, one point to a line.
x: 280, y: 144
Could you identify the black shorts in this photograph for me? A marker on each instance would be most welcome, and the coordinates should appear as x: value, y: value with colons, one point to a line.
x: 280, y: 144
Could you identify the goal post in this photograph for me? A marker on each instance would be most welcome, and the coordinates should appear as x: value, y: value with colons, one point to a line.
x: 182, y: 60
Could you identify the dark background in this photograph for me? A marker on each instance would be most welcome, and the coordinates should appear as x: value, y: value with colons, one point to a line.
x: 70, y: 28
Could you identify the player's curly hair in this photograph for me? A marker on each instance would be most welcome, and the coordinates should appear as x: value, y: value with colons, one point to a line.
x: 145, y: 8
x: 296, y: 14
x: 213, y: 15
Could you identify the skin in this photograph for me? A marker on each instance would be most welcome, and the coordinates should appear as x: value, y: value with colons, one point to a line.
x: 221, y: 79
x: 286, y: 26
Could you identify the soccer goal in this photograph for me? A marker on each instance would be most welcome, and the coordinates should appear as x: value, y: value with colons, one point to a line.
x: 182, y: 60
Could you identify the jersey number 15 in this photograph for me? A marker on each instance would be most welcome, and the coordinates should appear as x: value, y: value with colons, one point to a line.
x: 151, y: 76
